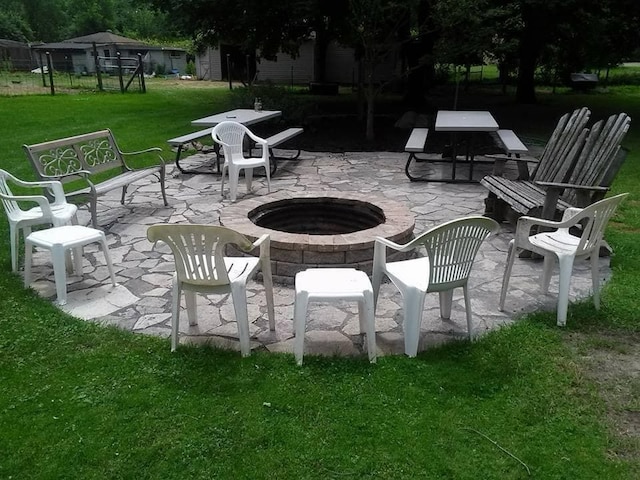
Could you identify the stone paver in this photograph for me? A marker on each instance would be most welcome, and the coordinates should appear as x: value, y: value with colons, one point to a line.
x: 142, y: 300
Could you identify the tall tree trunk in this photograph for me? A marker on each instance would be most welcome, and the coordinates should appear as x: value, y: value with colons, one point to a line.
x: 525, y: 88
x: 320, y: 55
x: 531, y: 41
x: 371, y: 102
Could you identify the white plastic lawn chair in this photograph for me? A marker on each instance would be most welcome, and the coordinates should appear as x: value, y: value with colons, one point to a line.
x: 451, y: 251
x: 562, y: 243
x: 201, y: 266
x: 231, y: 136
x: 56, y: 213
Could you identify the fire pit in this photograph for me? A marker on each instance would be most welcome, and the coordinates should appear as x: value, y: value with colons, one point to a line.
x: 320, y: 229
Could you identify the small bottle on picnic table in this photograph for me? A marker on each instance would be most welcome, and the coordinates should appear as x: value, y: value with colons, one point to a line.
x: 257, y: 104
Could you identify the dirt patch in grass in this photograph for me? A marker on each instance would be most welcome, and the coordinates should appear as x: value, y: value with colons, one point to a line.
x: 612, y: 362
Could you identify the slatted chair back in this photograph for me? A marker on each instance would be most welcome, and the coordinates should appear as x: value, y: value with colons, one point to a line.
x: 563, y: 146
x: 199, y: 251
x: 452, y: 248
x: 601, y: 156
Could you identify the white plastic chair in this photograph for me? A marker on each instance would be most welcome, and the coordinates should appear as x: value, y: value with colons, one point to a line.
x: 231, y: 136
x: 56, y: 213
x: 201, y: 266
x: 451, y: 250
x: 562, y: 243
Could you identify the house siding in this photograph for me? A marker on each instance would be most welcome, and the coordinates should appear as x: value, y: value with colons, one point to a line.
x: 341, y: 66
x: 209, y: 65
x: 288, y: 70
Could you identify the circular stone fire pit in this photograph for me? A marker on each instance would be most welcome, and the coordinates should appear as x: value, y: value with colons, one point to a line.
x: 320, y: 229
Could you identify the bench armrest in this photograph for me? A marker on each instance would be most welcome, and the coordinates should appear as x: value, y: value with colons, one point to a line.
x: 160, y: 160
x: 146, y: 150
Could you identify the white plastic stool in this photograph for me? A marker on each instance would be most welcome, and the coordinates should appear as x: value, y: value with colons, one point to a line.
x: 58, y: 240
x: 333, y: 285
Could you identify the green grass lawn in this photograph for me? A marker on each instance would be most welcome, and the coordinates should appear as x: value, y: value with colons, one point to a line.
x: 84, y: 401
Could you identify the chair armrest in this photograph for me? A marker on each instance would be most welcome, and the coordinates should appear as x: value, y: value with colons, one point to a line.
x: 595, y: 188
x: 502, y: 156
x: 570, y: 213
x: 388, y: 243
x: 255, y: 138
x: 527, y: 223
x: 264, y: 242
x: 42, y: 201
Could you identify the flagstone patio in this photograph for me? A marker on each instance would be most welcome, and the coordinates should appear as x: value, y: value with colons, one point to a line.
x: 141, y: 302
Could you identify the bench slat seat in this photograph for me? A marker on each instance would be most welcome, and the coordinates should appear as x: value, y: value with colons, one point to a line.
x: 415, y: 144
x: 511, y: 142
x: 76, y: 162
x: 417, y: 140
x: 182, y: 140
x: 189, y: 137
x: 278, y: 139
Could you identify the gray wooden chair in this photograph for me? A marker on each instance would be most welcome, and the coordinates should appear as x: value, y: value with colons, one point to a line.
x: 552, y: 166
x: 598, y: 157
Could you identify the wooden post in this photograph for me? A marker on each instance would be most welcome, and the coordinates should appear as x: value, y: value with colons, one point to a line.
x: 44, y: 79
x: 50, y: 68
x: 141, y: 69
x: 96, y: 61
x: 119, y: 62
x: 229, y: 70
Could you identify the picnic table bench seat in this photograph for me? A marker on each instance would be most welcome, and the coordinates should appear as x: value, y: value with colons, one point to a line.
x: 91, y: 165
x: 415, y: 144
x: 278, y: 139
x: 183, y: 140
x: 273, y: 141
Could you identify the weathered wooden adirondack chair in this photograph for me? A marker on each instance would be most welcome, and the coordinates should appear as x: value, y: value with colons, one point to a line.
x: 553, y: 166
x: 586, y: 180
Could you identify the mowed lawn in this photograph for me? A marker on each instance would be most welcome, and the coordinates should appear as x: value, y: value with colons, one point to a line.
x: 79, y: 400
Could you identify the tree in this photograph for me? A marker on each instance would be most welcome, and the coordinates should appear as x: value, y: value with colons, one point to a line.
x: 14, y: 25
x: 252, y: 25
x: 375, y: 28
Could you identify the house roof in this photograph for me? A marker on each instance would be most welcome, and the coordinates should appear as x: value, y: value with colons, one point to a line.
x: 105, y: 38
x: 12, y: 43
x: 100, y: 39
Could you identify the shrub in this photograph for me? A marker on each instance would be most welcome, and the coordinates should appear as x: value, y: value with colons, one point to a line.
x: 295, y: 108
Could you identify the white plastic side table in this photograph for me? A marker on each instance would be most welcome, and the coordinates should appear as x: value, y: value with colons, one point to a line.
x: 58, y: 240
x: 333, y: 285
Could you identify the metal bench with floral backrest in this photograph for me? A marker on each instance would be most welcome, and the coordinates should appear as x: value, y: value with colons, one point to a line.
x: 91, y: 165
